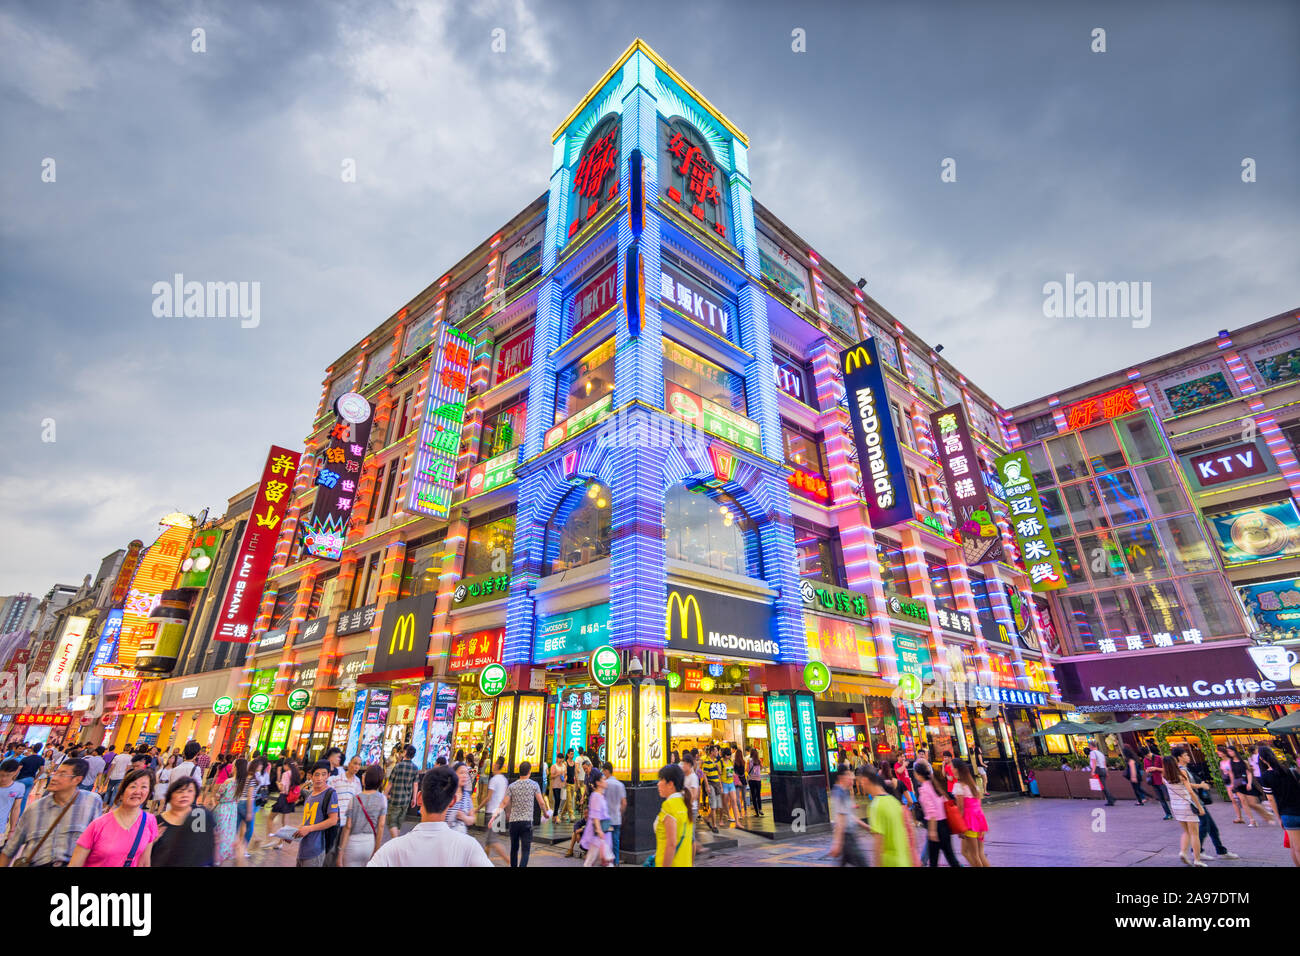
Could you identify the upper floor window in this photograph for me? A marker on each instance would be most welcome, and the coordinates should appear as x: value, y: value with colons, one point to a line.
x: 579, y: 531
x: 710, y: 529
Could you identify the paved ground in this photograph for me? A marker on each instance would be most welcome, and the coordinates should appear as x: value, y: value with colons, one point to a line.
x: 1023, y: 832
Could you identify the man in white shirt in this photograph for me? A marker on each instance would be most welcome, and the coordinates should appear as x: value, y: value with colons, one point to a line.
x: 190, y: 767
x: 347, y: 784
x: 1097, y: 761
x: 432, y: 842
x: 492, y: 797
x: 121, y: 764
x: 95, y: 761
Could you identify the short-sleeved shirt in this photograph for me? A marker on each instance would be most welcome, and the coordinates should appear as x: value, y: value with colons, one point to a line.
x: 402, y: 784
x: 15, y: 791
x: 615, y: 794
x: 369, y: 807
x: 109, y: 842
x: 674, y: 806
x: 523, y: 793
x: 1285, y: 791
x: 316, y: 810
x: 121, y: 764
x: 712, y: 770
x: 496, y: 791
x: 347, y: 788
x: 40, y: 817
x: 30, y: 766
x: 190, y: 843
x: 885, y: 816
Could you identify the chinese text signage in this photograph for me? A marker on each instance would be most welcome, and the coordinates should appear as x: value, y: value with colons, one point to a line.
x: 338, y: 475
x: 434, y: 476
x: 879, y: 458
x: 1102, y: 408
x: 981, y: 541
x: 1029, y: 523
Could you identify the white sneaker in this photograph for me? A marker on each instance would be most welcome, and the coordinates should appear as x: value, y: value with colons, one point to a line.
x: 1200, y: 863
x: 1228, y: 855
x: 1184, y: 859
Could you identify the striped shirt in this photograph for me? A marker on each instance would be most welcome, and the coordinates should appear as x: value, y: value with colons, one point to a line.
x: 39, y: 817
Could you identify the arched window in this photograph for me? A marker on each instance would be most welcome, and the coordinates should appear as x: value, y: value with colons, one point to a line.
x: 710, y: 529
x: 578, y: 532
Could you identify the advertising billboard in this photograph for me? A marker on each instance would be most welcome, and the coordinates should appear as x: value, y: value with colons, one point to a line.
x: 1258, y: 533
x: 156, y: 572
x: 404, y: 634
x: 338, y: 476
x: 981, y: 541
x: 59, y: 672
x: 884, y: 483
x: 241, y: 602
x: 434, y: 475
x: 198, y: 560
x: 1275, y: 606
x: 1029, y: 523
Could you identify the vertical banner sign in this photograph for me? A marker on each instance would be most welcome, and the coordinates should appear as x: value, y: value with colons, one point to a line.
x: 444, y: 414
x: 981, y: 541
x: 620, y: 730
x: 501, y: 731
x: 883, y: 482
x: 156, y: 572
x: 653, y: 707
x: 575, y: 731
x: 442, y: 725
x: 809, y: 753
x: 104, y: 650
x: 338, y: 474
x: 354, y: 726
x: 59, y: 673
x: 420, y: 735
x: 780, y: 732
x: 1029, y: 523
x: 595, y: 178
x: 240, y: 603
x: 528, y: 735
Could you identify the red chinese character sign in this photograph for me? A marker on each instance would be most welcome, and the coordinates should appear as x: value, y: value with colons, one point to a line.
x: 691, y: 178
x: 981, y: 541
x: 240, y: 603
x: 1102, y: 408
x: 595, y: 178
x: 476, y: 651
x: 444, y: 414
x: 338, y: 476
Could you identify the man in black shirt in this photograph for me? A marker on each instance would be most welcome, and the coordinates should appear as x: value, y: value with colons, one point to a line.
x: 1199, y: 783
x: 29, y: 768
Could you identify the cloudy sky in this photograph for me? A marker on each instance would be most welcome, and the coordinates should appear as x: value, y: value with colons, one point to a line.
x: 225, y: 165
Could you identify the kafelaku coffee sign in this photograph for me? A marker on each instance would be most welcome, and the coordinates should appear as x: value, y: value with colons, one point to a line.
x: 1204, y: 678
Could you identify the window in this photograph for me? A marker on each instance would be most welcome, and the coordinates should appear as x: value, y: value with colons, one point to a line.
x: 1210, y: 606
x: 490, y: 546
x: 1120, y: 614
x: 421, y: 565
x: 687, y: 370
x: 1163, y: 611
x: 1160, y: 488
x: 1184, y: 545
x: 1103, y: 557
x: 1082, y: 622
x: 417, y: 334
x: 893, y: 567
x: 365, y: 584
x: 980, y: 589
x: 1056, y: 522
x: 389, y: 485
x: 1123, y: 505
x: 710, y: 529
x: 585, y: 382
x: 1103, y: 448
x: 578, y: 533
x: 380, y: 361
x: 1039, y: 469
x: 1068, y: 551
x: 374, y: 493
x: 283, y: 610
x: 802, y: 449
x: 819, y: 555
x: 1044, y: 426
x: 885, y: 343
x: 322, y: 595
x: 1085, y: 507
x: 503, y: 430
x: 794, y: 377
x: 902, y: 425
x: 1141, y: 437
x: 920, y: 489
x: 1142, y: 550
x: 1067, y: 456
x: 399, y: 423
x: 940, y: 579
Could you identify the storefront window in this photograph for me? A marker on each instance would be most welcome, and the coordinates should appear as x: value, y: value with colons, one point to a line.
x: 1103, y: 557
x: 585, y: 382
x: 490, y: 546
x: 1142, y: 550
x: 687, y: 370
x: 421, y: 566
x: 1085, y: 507
x: 1210, y: 606
x: 1123, y: 505
x: 710, y: 530
x: 819, y: 555
x: 893, y: 567
x: 578, y: 532
x: 1081, y: 620
x: 503, y: 430
x: 1068, y: 458
x: 1119, y: 612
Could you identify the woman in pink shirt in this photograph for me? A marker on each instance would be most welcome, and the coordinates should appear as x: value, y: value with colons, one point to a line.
x: 932, y: 793
x: 122, y: 836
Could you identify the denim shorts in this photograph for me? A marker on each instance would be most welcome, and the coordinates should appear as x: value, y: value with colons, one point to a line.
x: 728, y: 788
x: 1290, y: 821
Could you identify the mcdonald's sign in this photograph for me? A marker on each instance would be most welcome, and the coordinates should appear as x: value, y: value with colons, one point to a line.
x: 883, y: 481
x: 719, y: 625
x: 404, y: 633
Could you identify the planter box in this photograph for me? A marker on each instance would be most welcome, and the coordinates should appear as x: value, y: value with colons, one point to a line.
x: 1079, y: 783
x: 1051, y: 783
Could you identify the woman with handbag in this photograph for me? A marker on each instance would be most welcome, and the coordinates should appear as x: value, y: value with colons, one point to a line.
x: 1243, y: 784
x: 595, y: 839
x: 975, y: 826
x: 361, y: 833
x: 289, y: 783
x: 932, y: 796
x: 227, y: 796
x: 124, y: 835
x: 1187, y: 811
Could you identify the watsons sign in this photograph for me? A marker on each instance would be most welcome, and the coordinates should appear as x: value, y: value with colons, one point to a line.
x: 879, y: 458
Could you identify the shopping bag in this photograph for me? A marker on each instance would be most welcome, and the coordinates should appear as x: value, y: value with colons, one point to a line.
x: 1094, y: 782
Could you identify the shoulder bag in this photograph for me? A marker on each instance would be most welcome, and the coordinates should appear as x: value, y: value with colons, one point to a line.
x: 27, y: 858
x: 135, y: 844
x: 956, y: 822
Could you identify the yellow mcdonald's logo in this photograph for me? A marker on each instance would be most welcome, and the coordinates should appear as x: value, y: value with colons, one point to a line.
x: 683, y: 610
x: 403, y: 638
x: 856, y: 357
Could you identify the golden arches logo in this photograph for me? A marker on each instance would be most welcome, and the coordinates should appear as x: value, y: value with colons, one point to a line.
x: 403, y: 638
x: 683, y: 610
x: 857, y: 356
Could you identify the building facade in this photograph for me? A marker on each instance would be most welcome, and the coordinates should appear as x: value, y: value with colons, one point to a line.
x: 1171, y: 489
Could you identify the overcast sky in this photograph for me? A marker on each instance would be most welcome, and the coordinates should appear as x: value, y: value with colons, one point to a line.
x: 225, y: 166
